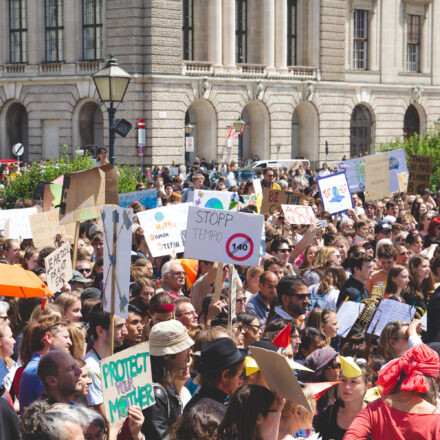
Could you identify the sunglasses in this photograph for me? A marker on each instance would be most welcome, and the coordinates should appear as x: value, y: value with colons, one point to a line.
x: 302, y: 296
x: 334, y: 367
x: 240, y: 300
x: 284, y: 251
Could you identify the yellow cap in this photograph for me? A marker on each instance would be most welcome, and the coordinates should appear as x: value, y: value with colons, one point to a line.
x: 251, y: 365
x: 349, y: 367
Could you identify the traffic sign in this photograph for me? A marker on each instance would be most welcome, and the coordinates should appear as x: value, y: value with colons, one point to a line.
x: 18, y: 149
x: 141, y: 133
x: 239, y: 247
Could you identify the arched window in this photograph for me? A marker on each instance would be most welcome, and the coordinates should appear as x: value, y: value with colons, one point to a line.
x: 361, y: 131
x: 91, y: 125
x: 17, y: 129
x: 411, y: 124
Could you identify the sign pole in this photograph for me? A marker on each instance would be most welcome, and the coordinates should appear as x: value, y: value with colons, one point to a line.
x: 113, y: 260
x: 218, y: 283
x: 75, y: 245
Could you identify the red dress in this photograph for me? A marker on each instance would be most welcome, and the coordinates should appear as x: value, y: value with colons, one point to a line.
x: 381, y: 421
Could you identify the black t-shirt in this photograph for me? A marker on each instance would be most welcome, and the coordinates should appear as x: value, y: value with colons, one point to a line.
x: 8, y: 421
x: 326, y: 423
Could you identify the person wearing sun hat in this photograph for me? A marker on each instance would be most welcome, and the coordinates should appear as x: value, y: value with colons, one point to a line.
x: 220, y: 373
x: 170, y: 347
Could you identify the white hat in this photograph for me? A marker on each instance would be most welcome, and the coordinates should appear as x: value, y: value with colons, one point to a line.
x: 169, y: 337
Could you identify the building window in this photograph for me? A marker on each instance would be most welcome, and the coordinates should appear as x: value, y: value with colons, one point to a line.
x: 291, y: 33
x: 240, y: 31
x: 188, y: 29
x: 411, y: 123
x: 413, y: 44
x: 54, y: 30
x: 17, y: 31
x: 361, y: 131
x: 92, y: 29
x: 360, y: 39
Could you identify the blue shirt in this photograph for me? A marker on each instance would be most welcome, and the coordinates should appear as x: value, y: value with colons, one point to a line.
x: 30, y: 386
x: 257, y: 306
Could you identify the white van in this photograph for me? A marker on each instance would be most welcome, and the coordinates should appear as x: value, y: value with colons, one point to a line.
x: 281, y: 163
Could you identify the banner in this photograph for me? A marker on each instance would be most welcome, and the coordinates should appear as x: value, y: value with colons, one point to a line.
x: 274, y: 198
x: 126, y: 381
x: 165, y: 228
x: 147, y: 198
x: 335, y: 194
x: 377, y: 177
x: 355, y: 169
x: 117, y: 220
x: 58, y: 266
x: 18, y: 226
x: 215, y: 199
x: 420, y: 173
x: 299, y: 214
x: 224, y: 236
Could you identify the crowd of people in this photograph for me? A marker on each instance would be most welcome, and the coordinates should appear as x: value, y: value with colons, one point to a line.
x: 206, y: 383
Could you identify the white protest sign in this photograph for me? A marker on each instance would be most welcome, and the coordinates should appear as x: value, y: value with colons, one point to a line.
x: 213, y: 199
x: 117, y: 221
x: 126, y: 381
x: 58, y: 266
x: 299, y: 214
x: 347, y: 315
x: 18, y: 226
x: 335, y: 194
x: 165, y: 228
x: 224, y: 236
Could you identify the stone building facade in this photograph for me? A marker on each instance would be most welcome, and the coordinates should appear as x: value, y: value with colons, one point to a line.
x: 300, y: 73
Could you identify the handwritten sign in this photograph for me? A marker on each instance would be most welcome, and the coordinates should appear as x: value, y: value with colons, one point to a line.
x: 299, y: 214
x: 147, y: 198
x: 419, y: 173
x: 274, y: 198
x: 248, y: 200
x: 126, y: 381
x: 335, y: 194
x: 377, y: 177
x: 16, y: 222
x: 58, y: 267
x: 213, y: 199
x: 225, y: 236
x: 165, y: 228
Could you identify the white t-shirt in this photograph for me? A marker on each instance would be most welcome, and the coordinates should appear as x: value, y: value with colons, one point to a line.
x: 94, y: 396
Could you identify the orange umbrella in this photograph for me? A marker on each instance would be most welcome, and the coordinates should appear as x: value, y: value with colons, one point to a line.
x: 21, y: 283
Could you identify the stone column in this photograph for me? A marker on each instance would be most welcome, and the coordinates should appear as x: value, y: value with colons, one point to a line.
x: 215, y: 32
x: 267, y: 37
x: 281, y: 34
x: 229, y: 33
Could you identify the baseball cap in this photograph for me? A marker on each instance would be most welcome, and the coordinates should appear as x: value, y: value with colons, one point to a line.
x: 169, y: 337
x: 382, y: 227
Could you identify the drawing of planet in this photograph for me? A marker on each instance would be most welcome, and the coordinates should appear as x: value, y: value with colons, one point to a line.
x: 336, y: 196
x: 159, y: 216
x: 394, y: 163
x: 214, y: 204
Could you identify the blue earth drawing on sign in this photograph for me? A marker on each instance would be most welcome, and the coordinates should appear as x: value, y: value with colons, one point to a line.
x: 394, y: 163
x: 214, y: 204
x: 336, y: 196
x: 159, y: 216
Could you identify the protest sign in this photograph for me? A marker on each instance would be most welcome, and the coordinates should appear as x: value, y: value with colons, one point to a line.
x: 247, y: 200
x: 347, y: 315
x: 233, y: 280
x: 355, y: 169
x: 299, y: 214
x: 126, y: 381
x: 52, y: 195
x: 214, y: 199
x: 335, y: 194
x: 278, y: 374
x: 377, y: 177
x: 224, y: 236
x: 58, y: 266
x: 274, y: 198
x: 15, y: 222
x: 419, y: 173
x: 47, y: 231
x: 117, y: 224
x: 165, y: 228
x: 258, y: 190
x: 147, y: 198
x: 86, y: 192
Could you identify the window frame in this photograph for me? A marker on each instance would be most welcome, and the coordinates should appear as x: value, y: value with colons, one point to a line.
x: 95, y: 26
x: 241, y: 52
x: 59, y: 31
x: 188, y: 30
x: 292, y: 33
x: 360, y: 42
x: 413, y: 66
x: 20, y: 31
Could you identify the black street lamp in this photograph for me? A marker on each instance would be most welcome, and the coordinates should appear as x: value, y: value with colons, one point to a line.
x: 111, y: 83
x: 239, y: 126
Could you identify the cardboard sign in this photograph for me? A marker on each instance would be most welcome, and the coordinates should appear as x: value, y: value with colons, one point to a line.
x: 279, y: 375
x: 214, y: 199
x: 165, y: 228
x: 58, y: 266
x: 299, y: 214
x: 147, y: 198
x: 355, y: 169
x: 47, y: 231
x: 15, y: 222
x: 274, y: 198
x: 335, y: 194
x: 85, y: 193
x: 224, y: 236
x: 126, y: 381
x: 377, y: 177
x: 419, y: 173
x: 122, y: 219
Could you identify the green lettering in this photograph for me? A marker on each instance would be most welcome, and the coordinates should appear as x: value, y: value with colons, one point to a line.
x: 149, y: 393
x: 113, y: 373
x: 121, y: 376
x: 114, y: 408
x: 105, y: 372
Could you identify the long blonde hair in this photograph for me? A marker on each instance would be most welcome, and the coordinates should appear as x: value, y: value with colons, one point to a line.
x: 3, y: 327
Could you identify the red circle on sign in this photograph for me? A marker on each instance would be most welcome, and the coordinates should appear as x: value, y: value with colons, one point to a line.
x: 247, y: 240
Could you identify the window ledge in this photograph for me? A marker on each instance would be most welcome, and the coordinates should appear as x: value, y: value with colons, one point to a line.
x: 415, y: 74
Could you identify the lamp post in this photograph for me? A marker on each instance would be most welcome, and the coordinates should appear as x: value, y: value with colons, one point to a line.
x: 111, y: 83
x: 188, y: 132
x: 239, y: 126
